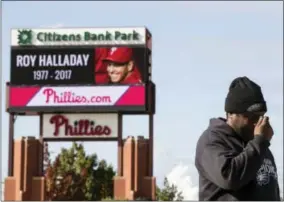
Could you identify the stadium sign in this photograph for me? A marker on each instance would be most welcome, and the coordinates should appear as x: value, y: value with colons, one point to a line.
x: 80, y: 126
x: 79, y: 36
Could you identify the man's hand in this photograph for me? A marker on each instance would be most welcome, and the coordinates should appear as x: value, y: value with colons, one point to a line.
x: 264, y: 128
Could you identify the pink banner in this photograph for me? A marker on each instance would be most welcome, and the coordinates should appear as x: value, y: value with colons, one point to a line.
x: 68, y: 96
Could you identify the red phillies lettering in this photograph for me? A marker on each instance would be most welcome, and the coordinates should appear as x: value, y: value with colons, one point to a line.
x: 48, y: 93
x: 65, y: 97
x: 70, y: 97
x: 78, y: 128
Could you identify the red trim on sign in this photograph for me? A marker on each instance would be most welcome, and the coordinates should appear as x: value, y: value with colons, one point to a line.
x: 21, y: 96
x: 134, y: 95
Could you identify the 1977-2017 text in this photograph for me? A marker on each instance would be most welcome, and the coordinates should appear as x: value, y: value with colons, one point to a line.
x: 58, y: 75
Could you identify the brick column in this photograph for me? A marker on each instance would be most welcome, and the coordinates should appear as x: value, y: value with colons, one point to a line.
x: 135, y: 182
x: 26, y: 161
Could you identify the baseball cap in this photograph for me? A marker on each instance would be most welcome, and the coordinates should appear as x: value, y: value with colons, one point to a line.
x: 119, y: 55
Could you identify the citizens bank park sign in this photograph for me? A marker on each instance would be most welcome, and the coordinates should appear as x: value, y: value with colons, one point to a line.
x: 81, y: 70
x: 80, y: 126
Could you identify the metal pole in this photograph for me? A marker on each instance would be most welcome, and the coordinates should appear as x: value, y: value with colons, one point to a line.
x: 120, y: 146
x: 41, y: 148
x: 11, y: 145
x: 151, y: 144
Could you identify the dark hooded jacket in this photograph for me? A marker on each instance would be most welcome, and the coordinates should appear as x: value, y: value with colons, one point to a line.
x: 231, y: 169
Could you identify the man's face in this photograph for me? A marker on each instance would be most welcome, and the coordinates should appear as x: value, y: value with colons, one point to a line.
x: 245, y: 123
x: 117, y: 72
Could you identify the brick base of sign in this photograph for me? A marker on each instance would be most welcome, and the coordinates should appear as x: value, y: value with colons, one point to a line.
x: 135, y: 181
x: 28, y: 183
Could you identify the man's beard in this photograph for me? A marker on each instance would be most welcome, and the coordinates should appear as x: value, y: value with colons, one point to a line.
x: 247, y: 133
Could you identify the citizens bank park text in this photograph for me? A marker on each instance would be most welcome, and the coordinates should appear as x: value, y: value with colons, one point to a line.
x: 87, y: 36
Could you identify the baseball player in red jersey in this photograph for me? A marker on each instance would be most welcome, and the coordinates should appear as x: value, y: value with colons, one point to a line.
x: 101, y: 75
x: 120, y: 66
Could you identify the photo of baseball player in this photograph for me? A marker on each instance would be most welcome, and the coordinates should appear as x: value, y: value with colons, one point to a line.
x: 101, y: 76
x: 120, y: 66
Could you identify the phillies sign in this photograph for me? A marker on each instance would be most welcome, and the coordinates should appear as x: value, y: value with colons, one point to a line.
x: 76, y: 98
x: 80, y: 126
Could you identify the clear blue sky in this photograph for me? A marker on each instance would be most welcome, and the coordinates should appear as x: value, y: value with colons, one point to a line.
x: 198, y: 48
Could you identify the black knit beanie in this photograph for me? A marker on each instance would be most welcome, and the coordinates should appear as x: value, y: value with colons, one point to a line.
x: 244, y: 96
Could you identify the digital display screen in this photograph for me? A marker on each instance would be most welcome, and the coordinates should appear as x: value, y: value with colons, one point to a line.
x: 78, y: 65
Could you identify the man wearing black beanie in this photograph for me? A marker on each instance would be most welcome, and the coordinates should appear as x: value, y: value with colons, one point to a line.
x: 232, y: 155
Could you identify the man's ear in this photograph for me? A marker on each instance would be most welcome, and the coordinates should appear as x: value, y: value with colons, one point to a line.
x: 130, y: 66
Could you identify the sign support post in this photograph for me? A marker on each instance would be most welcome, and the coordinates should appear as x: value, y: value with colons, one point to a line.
x: 151, y: 144
x: 11, y: 144
x: 120, y: 146
x: 41, y: 141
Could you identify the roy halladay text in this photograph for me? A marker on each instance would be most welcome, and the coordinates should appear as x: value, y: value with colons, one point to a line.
x: 52, y: 60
